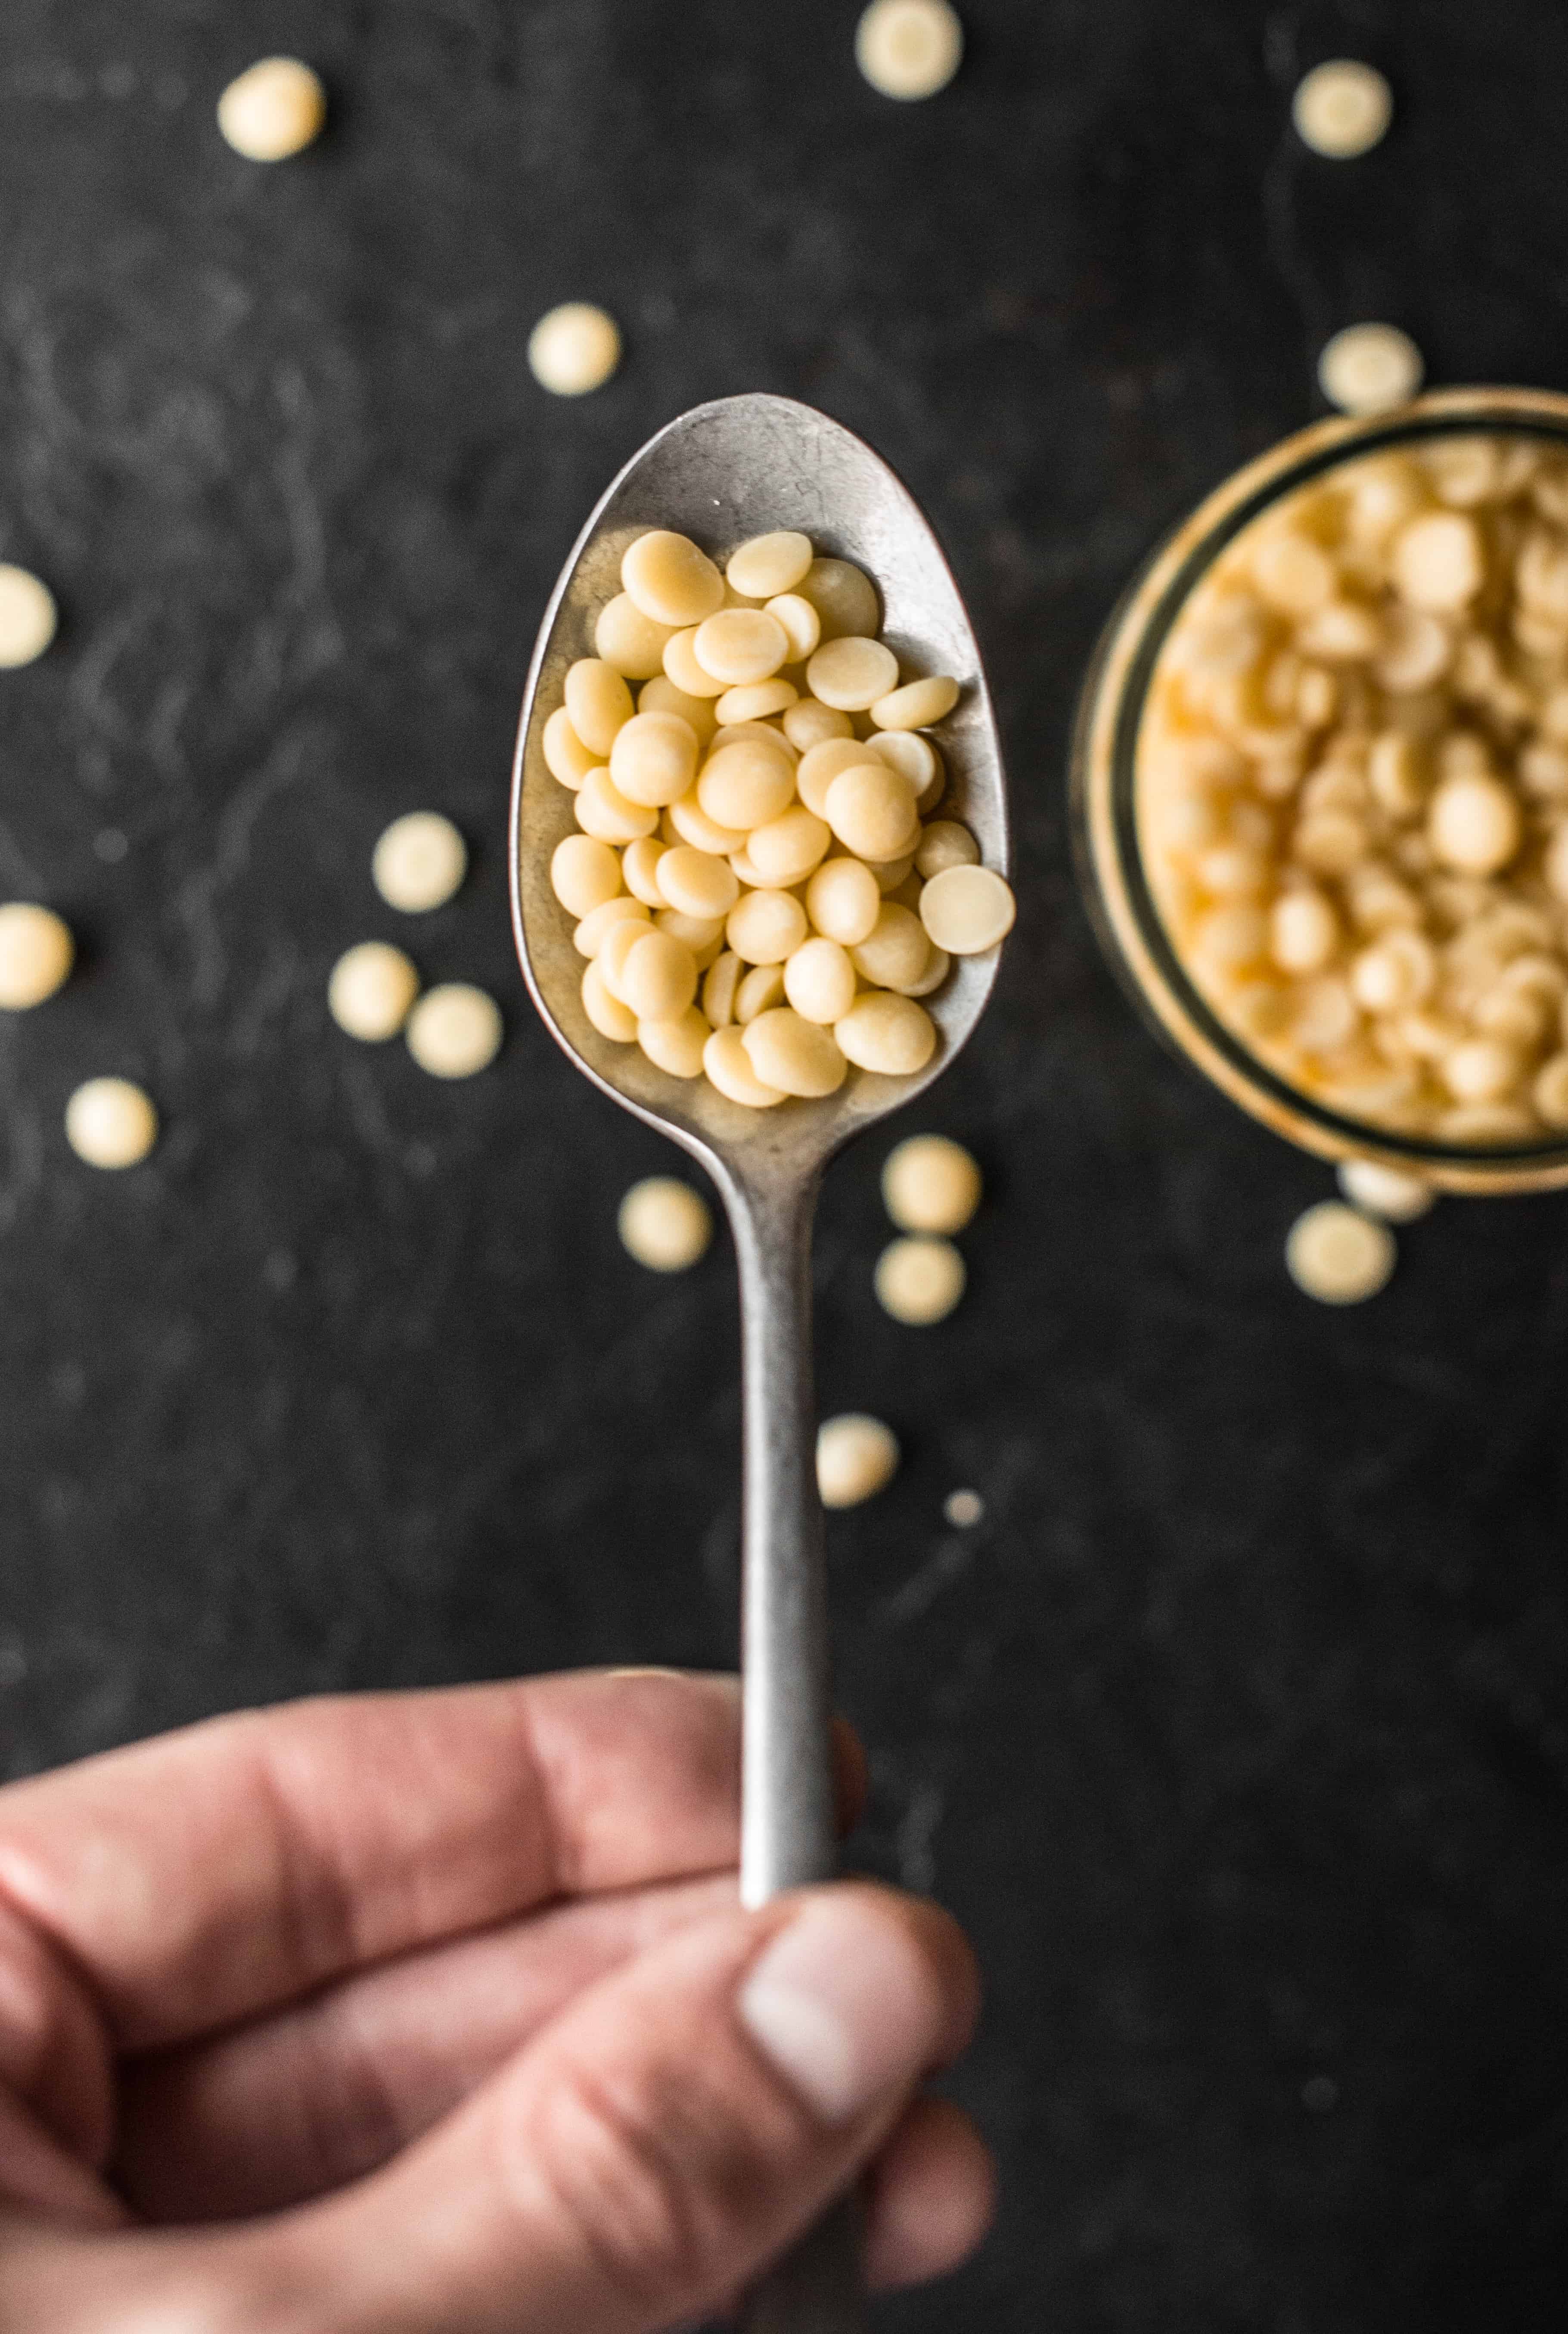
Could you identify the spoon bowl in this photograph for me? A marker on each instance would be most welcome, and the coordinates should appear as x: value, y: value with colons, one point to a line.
x: 724, y: 472
x: 741, y: 466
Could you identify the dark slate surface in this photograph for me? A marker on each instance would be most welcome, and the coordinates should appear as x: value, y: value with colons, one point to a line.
x: 1235, y: 1733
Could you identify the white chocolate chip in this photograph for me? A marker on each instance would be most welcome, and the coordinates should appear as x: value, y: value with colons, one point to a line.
x: 664, y: 1224
x: 672, y: 581
x: 895, y: 953
x: 109, y: 1123
x: 915, y: 757
x: 967, y: 909
x: 793, y: 1054
x: 653, y: 758
x: 575, y: 349
x: 634, y: 643
x: 598, y: 704
x: 917, y: 705
x: 844, y: 597
x: 29, y: 618
x: 741, y: 646
x: 871, y: 810
x: 803, y: 630
x: 274, y: 110
x: 661, y: 695
x: 566, y: 758
x: 584, y: 874
x: 930, y: 1185
x: 1369, y: 369
x: 370, y: 991
x: 681, y: 666
x: 36, y: 953
x: 766, y: 927
x: 909, y: 49
x: 1342, y: 108
x: 728, y: 1066
x: 455, y: 1030
x: 420, y: 863
x: 946, y: 844
x: 819, y: 981
x: 675, y: 1046
x: 1438, y: 562
x: 746, y: 783
x: 607, y: 815
x: 843, y: 901
x: 759, y: 990
x: 856, y: 1457
x: 919, y: 1281
x: 1474, y: 824
x: 1338, y: 1255
x: 609, y: 1016
x: 785, y: 851
x: 758, y: 700
x: 850, y: 674
x: 892, y: 1035
x: 1392, y: 1192
x: 770, y: 565
x: 592, y: 936
x: 658, y: 977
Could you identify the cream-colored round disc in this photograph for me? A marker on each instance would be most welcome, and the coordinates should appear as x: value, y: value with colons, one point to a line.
x: 728, y: 1067
x: 664, y: 1224
x: 769, y: 565
x: 419, y: 863
x: 455, y: 1030
x: 583, y: 873
x: 29, y: 618
x: 1338, y: 1255
x: 1342, y: 108
x: 851, y: 673
x: 370, y: 991
x: 634, y: 643
x: 1388, y: 1191
x: 573, y: 349
x: 919, y: 1280
x: 909, y: 49
x: 675, y: 582
x: 856, y: 1457
x: 36, y: 953
x: 892, y: 1035
x: 109, y: 1123
x: 1369, y: 369
x: 964, y: 1510
x: 844, y: 597
x: 609, y: 1016
x: 794, y: 1056
x: 739, y: 646
x: 967, y: 909
x: 944, y: 844
x: 917, y: 704
x: 273, y: 110
x: 930, y: 1185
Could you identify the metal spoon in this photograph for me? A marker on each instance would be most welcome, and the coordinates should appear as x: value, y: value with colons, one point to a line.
x: 741, y: 466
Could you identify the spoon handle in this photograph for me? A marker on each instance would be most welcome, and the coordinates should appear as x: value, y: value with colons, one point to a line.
x: 788, y: 1832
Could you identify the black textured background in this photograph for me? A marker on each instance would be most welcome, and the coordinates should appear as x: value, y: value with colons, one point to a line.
x: 1235, y: 1733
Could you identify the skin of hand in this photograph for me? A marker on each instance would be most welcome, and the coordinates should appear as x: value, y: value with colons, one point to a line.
x: 436, y: 2013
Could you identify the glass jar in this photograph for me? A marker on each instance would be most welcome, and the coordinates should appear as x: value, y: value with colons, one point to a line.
x: 1105, y: 778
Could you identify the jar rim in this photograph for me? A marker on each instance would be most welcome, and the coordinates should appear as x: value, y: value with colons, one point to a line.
x: 1104, y: 772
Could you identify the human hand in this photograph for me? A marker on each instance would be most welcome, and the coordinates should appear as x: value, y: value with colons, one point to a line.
x: 436, y: 2014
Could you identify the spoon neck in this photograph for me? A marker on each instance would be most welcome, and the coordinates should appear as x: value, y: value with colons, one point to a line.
x: 788, y: 1831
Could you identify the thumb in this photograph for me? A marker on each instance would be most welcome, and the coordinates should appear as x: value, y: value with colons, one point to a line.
x: 663, y: 2139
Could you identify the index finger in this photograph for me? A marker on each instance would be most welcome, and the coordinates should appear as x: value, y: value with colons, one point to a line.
x: 215, y: 1873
